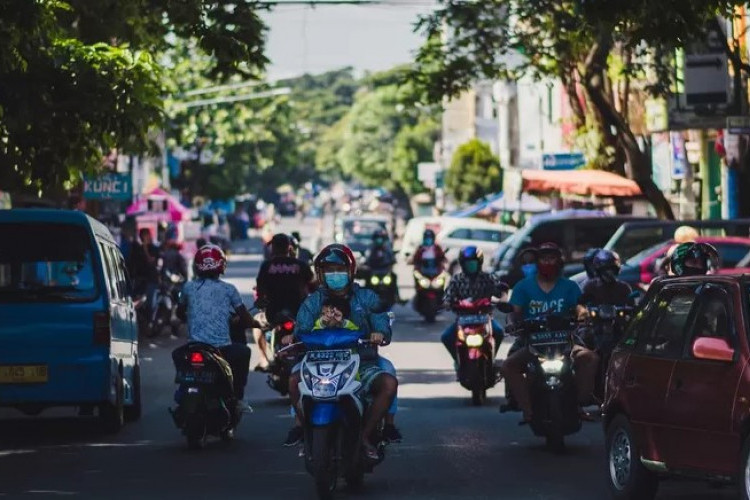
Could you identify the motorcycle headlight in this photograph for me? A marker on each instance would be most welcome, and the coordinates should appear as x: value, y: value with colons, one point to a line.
x: 325, y: 387
x: 474, y: 340
x: 460, y: 334
x: 438, y: 282
x: 387, y: 280
x: 374, y: 280
x: 176, y: 278
x: 552, y: 366
x: 424, y: 283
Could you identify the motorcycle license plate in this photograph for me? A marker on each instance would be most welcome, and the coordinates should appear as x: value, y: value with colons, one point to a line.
x: 196, y: 377
x: 328, y: 356
x: 546, y: 338
x: 472, y: 319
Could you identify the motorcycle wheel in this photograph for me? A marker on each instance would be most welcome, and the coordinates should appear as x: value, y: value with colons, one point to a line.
x: 355, y: 476
x: 322, y: 458
x: 429, y: 316
x: 196, y: 441
x: 555, y: 439
x: 478, y: 397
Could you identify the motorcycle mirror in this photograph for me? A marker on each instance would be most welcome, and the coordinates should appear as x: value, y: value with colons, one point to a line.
x: 505, y: 307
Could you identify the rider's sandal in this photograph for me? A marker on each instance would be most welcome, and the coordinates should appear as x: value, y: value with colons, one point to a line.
x: 371, y: 453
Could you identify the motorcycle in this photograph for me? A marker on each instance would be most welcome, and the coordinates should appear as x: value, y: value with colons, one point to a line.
x: 332, y: 410
x: 165, y: 304
x: 430, y: 288
x: 603, y: 330
x: 280, y: 367
x: 554, y: 398
x: 475, y: 347
x: 205, y: 402
x: 382, y: 282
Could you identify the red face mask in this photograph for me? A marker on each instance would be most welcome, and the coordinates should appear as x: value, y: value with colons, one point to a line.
x: 547, y: 270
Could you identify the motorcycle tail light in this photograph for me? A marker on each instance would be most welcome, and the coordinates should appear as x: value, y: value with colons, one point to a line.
x: 288, y: 325
x: 196, y: 357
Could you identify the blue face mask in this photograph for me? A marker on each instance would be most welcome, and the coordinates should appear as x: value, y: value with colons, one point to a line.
x: 337, y: 280
x: 428, y: 242
x: 471, y: 266
x: 529, y: 269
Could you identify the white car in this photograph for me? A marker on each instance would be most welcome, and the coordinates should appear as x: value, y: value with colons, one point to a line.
x: 486, y: 236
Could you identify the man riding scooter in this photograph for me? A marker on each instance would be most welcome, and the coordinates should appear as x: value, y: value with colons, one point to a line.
x: 473, y: 284
x: 379, y: 261
x: 335, y: 268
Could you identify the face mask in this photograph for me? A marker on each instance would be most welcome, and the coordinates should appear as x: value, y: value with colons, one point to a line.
x: 378, y: 241
x: 337, y: 280
x: 529, y: 269
x: 471, y: 266
x: 547, y: 270
x: 428, y: 242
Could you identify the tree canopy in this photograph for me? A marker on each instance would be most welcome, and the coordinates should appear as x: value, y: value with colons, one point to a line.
x: 474, y: 172
x: 585, y: 44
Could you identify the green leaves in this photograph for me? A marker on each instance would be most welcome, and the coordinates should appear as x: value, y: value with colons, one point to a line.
x: 474, y: 172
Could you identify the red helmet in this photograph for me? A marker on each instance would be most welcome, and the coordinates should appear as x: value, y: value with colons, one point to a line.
x: 335, y: 254
x: 210, y: 258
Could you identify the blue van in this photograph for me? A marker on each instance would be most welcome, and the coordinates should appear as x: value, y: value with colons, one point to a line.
x: 68, y: 329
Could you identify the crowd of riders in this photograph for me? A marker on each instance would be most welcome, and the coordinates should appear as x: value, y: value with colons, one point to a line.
x: 321, y: 292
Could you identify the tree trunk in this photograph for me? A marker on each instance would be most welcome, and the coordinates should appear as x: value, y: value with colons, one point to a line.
x: 640, y: 164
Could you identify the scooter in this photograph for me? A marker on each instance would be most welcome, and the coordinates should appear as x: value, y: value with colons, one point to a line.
x: 383, y: 282
x: 279, y: 368
x: 554, y: 398
x: 332, y: 410
x: 430, y: 289
x: 205, y: 404
x: 475, y: 347
x: 165, y: 304
x: 603, y: 330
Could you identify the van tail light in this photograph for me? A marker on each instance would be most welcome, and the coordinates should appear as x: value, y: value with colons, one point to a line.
x: 196, y: 357
x: 102, y: 329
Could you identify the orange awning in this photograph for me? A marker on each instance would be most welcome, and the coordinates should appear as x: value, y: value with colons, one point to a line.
x: 579, y: 182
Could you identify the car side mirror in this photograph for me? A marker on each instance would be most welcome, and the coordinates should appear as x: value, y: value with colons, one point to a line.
x: 713, y: 349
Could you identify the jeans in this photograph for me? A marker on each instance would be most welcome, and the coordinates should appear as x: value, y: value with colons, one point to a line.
x: 448, y: 338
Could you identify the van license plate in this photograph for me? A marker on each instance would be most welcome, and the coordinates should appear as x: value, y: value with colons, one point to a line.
x: 23, y: 374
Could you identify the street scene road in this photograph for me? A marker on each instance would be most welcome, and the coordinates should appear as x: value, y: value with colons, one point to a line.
x: 451, y: 449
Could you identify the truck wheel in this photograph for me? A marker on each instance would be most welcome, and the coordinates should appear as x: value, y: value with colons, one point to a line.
x: 134, y: 411
x: 112, y: 415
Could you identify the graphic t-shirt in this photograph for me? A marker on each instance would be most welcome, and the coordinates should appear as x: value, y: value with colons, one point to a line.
x: 534, y: 301
x: 210, y: 304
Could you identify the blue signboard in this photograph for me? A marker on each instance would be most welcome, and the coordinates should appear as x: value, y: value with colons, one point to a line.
x: 108, y: 187
x: 563, y: 161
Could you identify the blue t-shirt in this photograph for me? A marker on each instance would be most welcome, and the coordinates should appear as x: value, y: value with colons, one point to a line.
x: 210, y: 304
x: 534, y: 301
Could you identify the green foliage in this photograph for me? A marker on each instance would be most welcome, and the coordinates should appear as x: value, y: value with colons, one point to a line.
x: 414, y: 144
x: 78, y: 78
x: 474, y: 172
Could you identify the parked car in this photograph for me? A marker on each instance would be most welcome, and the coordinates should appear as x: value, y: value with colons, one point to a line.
x: 575, y: 231
x: 633, y: 237
x: 457, y: 234
x: 677, y: 400
x: 68, y: 335
x: 639, y: 270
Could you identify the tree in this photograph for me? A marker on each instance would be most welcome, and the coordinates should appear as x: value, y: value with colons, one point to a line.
x: 414, y: 144
x: 474, y: 172
x: 573, y: 40
x: 78, y: 78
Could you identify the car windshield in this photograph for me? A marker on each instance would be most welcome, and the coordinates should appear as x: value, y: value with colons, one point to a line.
x: 361, y: 230
x: 41, y: 262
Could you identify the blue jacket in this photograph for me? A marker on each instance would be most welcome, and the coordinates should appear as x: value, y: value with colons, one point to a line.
x: 363, y: 303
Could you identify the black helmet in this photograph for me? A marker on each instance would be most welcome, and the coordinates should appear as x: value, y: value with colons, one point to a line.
x: 606, y: 265
x: 281, y: 245
x: 381, y: 235
x: 428, y: 233
x: 694, y: 259
x: 469, y: 254
x: 588, y: 261
x: 335, y: 254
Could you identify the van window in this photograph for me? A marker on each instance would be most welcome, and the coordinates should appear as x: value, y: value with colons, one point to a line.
x: 635, y: 239
x: 488, y: 235
x: 668, y: 332
x: 552, y: 231
x: 109, y: 272
x: 590, y: 234
x: 462, y: 234
x: 119, y: 275
x: 43, y: 262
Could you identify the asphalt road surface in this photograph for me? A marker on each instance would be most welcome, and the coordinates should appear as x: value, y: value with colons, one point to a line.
x: 451, y: 449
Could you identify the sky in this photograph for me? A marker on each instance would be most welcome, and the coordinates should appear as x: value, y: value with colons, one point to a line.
x: 304, y: 39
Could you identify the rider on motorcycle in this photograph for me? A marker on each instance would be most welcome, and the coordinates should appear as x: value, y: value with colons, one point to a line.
x: 303, y: 253
x: 173, y: 261
x: 335, y: 267
x: 208, y: 304
x: 547, y: 292
x: 474, y: 284
x: 282, y: 285
x: 429, y: 258
x: 588, y: 264
x: 604, y: 287
x: 694, y: 259
x: 380, y: 257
